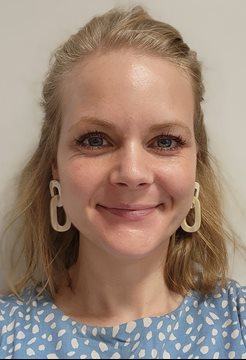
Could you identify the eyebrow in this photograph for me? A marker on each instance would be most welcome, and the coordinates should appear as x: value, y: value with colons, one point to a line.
x: 88, y: 120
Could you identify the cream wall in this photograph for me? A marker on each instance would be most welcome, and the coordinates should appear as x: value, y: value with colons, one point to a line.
x: 30, y: 30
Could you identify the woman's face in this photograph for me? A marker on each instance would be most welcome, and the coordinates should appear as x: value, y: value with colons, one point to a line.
x: 126, y: 156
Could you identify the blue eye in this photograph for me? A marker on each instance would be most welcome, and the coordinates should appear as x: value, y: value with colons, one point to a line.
x: 91, y: 140
x: 165, y: 142
x: 169, y: 142
x: 96, y: 140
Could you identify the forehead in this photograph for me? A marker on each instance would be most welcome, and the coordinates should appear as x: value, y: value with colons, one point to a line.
x: 126, y: 84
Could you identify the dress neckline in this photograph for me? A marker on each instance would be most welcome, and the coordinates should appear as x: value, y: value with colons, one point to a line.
x: 176, y: 313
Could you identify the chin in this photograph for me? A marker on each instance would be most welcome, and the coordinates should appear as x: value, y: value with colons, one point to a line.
x: 126, y: 239
x: 134, y: 247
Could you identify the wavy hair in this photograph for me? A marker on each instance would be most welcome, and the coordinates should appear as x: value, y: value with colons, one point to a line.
x: 195, y: 261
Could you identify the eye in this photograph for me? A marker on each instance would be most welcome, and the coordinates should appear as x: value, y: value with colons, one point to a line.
x: 96, y: 140
x: 92, y: 140
x: 168, y: 142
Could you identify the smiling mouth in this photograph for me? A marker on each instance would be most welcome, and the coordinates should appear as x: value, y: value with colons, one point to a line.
x: 130, y: 214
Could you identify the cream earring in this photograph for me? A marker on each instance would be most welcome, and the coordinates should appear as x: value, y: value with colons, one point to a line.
x: 197, y: 208
x: 56, y: 202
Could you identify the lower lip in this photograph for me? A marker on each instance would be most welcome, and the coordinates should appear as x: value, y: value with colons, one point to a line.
x: 129, y: 214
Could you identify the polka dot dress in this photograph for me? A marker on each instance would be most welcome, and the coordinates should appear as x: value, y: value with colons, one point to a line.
x: 200, y: 328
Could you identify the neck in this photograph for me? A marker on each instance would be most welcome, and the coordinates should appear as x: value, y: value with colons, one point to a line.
x: 117, y: 289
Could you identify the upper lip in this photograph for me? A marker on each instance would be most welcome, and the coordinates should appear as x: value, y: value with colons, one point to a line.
x: 132, y: 207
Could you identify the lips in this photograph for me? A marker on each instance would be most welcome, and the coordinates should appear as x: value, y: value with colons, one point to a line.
x: 132, y: 207
x: 137, y: 213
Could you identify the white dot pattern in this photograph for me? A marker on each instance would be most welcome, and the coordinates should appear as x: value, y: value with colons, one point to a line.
x: 210, y: 327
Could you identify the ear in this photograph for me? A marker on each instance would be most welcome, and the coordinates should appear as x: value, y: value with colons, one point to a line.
x: 55, y: 173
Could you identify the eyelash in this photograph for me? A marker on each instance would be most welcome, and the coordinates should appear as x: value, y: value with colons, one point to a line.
x: 79, y: 141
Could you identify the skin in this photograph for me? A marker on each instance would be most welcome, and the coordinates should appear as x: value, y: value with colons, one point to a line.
x: 119, y: 273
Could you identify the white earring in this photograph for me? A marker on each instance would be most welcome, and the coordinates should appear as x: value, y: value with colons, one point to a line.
x: 197, y: 208
x: 56, y: 202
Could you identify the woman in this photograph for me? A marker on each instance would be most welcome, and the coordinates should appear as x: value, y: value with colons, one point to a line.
x: 122, y: 225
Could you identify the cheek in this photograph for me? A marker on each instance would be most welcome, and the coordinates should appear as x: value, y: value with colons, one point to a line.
x: 178, y: 180
x: 79, y: 181
x: 179, y: 175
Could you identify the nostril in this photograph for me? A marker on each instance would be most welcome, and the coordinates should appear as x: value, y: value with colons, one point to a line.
x: 122, y: 184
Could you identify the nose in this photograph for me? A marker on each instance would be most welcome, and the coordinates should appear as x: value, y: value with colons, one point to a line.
x: 132, y: 169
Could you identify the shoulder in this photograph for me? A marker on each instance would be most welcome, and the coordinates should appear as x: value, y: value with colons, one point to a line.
x: 233, y: 296
x: 15, y: 313
x: 19, y: 319
x: 233, y: 300
x: 225, y: 309
x: 11, y: 305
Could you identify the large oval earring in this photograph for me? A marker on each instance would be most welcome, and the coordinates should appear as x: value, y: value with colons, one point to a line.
x: 197, y: 208
x: 56, y: 202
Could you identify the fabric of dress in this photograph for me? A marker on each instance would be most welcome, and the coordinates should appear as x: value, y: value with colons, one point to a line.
x: 207, y: 327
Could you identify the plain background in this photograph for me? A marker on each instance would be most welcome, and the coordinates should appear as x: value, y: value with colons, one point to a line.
x: 30, y: 30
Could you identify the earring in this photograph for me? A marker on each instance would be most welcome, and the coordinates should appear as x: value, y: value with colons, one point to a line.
x: 56, y: 202
x: 197, y: 208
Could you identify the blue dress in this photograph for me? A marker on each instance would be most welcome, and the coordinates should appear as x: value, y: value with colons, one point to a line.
x: 211, y: 327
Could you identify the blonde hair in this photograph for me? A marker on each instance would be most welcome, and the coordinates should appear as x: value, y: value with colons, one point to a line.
x: 194, y: 262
